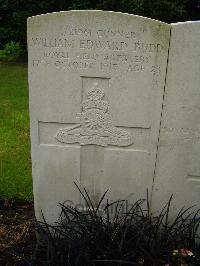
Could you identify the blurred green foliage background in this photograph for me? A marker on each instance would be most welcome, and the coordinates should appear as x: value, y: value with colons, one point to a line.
x: 13, y: 13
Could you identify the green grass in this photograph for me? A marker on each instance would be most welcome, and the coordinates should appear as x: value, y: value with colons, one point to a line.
x: 15, y: 161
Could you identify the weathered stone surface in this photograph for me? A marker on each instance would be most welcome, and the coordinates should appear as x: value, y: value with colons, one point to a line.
x: 178, y: 163
x: 96, y: 84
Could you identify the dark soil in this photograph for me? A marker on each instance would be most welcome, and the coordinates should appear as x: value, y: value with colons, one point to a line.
x: 17, y: 235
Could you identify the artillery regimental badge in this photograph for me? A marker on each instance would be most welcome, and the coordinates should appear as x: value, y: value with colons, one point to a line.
x: 95, y: 124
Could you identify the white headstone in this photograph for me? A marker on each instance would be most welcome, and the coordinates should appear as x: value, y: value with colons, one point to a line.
x: 178, y: 163
x: 96, y: 84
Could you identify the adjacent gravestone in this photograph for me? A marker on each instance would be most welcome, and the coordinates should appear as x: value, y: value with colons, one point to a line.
x: 96, y: 84
x: 178, y: 161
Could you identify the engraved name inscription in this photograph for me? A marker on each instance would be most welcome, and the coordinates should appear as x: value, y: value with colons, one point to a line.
x: 108, y: 50
x: 96, y: 125
x: 96, y: 44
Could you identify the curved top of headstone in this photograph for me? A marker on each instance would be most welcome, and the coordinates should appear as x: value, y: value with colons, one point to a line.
x: 189, y: 22
x: 96, y: 13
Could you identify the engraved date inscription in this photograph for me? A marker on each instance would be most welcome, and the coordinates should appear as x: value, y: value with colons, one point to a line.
x: 107, y: 50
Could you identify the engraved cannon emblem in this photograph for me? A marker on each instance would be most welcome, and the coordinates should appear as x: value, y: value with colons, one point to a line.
x: 95, y: 124
x: 94, y: 117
